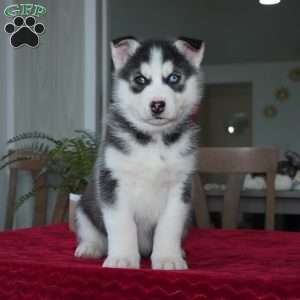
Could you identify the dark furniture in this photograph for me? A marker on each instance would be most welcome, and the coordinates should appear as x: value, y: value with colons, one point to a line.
x: 235, y: 162
x: 34, y: 167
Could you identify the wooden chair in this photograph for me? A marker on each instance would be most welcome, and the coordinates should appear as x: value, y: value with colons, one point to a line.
x: 235, y: 162
x: 40, y: 205
x: 34, y: 166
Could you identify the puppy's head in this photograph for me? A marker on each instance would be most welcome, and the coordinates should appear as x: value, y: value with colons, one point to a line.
x: 156, y: 83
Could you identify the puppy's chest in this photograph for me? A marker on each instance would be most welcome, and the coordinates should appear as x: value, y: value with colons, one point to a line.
x: 146, y: 175
x: 154, y: 163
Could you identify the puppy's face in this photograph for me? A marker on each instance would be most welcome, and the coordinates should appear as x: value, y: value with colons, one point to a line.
x: 156, y: 83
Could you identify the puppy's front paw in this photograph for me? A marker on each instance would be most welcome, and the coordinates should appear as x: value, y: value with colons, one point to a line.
x: 121, y: 262
x: 88, y: 250
x: 169, y: 263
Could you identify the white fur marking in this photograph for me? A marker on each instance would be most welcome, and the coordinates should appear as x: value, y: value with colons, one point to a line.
x: 167, y: 69
x: 91, y: 242
x: 145, y: 70
x: 167, y: 252
x: 122, y: 236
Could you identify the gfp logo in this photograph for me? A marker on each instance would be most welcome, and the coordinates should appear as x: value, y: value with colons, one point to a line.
x: 24, y: 28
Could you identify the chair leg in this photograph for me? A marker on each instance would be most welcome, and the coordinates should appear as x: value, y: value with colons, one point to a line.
x: 40, y: 203
x: 231, y: 210
x: 11, y: 199
x: 270, y: 202
x: 200, y: 203
x: 61, y: 208
x: 72, y: 215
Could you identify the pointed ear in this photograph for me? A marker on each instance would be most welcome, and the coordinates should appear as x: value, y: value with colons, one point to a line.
x: 192, y: 49
x: 122, y: 49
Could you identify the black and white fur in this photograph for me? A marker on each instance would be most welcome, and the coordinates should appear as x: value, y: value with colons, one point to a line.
x: 138, y: 202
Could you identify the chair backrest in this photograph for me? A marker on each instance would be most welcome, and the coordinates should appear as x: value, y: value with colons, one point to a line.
x: 235, y: 162
x: 34, y: 167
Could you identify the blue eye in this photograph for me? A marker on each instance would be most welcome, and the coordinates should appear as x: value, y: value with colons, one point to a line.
x: 140, y: 80
x: 173, y: 78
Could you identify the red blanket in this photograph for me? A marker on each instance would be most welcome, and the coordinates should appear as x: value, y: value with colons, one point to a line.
x: 39, y: 264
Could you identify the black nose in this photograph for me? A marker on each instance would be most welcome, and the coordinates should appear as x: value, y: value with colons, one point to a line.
x: 157, y: 107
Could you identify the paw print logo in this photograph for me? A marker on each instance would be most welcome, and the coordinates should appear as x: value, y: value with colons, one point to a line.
x: 24, y: 31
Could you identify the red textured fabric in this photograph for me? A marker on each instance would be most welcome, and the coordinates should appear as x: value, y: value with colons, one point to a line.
x: 39, y: 264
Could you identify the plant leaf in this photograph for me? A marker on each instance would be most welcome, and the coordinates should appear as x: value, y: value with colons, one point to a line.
x: 33, y: 135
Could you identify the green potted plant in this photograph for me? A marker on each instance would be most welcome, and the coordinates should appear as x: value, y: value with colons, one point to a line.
x: 70, y: 159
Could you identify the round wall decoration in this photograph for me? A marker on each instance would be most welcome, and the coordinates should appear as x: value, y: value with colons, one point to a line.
x: 282, y: 94
x: 294, y: 74
x: 270, y: 111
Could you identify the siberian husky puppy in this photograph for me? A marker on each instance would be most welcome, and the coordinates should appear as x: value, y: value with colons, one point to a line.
x: 139, y: 199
